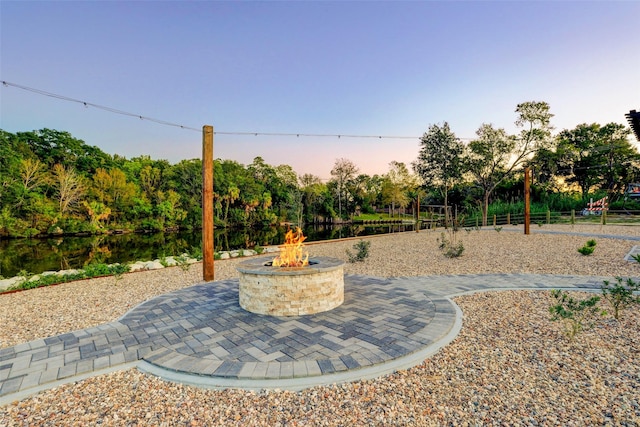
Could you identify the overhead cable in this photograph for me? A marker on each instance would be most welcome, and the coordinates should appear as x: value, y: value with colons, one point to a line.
x: 167, y: 123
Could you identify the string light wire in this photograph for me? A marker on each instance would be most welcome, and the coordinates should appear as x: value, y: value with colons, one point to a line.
x: 87, y: 104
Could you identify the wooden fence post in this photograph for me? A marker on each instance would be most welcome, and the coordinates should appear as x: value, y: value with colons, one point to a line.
x: 207, y: 203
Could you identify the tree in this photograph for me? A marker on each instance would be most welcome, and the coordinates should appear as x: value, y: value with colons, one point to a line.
x: 96, y: 211
x: 397, y: 184
x: 186, y: 178
x: 150, y: 179
x: 57, y: 147
x: 439, y: 162
x: 69, y: 187
x: 597, y: 156
x: 233, y: 193
x: 495, y: 155
x: 313, y: 195
x: 343, y: 173
x: 488, y: 159
x: 367, y: 191
x: 112, y: 189
x: 621, y: 158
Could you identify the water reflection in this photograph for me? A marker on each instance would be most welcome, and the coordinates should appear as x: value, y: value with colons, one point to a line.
x: 61, y: 253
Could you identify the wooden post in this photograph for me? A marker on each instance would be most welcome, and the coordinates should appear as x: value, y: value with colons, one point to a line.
x: 508, y: 218
x: 418, y: 212
x: 207, y: 203
x: 527, y: 201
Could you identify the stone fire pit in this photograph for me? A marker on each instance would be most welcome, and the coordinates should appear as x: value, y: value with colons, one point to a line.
x: 291, y: 291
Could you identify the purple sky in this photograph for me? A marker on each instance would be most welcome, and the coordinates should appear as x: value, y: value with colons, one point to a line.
x: 364, y: 68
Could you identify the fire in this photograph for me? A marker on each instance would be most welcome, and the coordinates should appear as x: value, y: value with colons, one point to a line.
x: 291, y: 254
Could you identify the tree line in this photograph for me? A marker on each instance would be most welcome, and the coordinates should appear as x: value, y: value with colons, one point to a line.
x: 52, y: 183
x: 591, y: 157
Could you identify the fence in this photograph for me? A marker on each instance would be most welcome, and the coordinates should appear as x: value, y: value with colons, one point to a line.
x: 570, y: 217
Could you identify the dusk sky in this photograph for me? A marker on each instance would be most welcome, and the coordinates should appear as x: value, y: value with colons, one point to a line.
x: 351, y: 68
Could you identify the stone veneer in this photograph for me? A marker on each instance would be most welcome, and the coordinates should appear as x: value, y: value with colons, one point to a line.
x: 291, y: 291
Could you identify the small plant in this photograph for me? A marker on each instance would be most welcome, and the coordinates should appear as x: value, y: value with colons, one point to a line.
x: 443, y: 241
x: 25, y: 275
x: 119, y: 269
x: 450, y: 249
x: 620, y: 296
x: 540, y: 223
x: 259, y: 249
x: 89, y: 271
x: 196, y: 252
x: 183, y: 262
x: 96, y: 270
x: 363, y: 251
x: 163, y: 261
x: 498, y: 229
x: 217, y: 256
x: 240, y: 252
x: 636, y: 257
x: 454, y: 251
x: 576, y: 315
x: 586, y: 250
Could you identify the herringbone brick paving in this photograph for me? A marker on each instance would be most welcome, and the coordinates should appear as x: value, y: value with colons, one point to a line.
x: 202, y: 331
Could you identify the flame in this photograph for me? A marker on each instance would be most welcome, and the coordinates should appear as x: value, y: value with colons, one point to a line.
x: 291, y: 254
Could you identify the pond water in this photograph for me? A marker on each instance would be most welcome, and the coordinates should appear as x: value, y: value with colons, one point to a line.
x: 60, y: 253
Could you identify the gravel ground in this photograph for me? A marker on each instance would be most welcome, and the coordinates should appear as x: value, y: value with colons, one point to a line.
x: 509, y: 366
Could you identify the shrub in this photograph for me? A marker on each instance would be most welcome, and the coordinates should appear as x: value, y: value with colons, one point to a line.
x: 586, y: 250
x: 620, y: 296
x: 196, y: 252
x: 576, y: 315
x: 183, y: 262
x: 363, y: 251
x: 591, y: 243
x: 450, y: 248
x: 95, y: 270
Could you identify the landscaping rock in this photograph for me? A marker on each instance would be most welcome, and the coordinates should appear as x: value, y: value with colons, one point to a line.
x: 153, y: 265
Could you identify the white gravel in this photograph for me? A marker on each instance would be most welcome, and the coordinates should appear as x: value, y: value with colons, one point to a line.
x: 510, y: 365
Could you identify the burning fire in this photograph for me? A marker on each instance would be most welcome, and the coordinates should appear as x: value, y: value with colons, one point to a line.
x: 291, y: 254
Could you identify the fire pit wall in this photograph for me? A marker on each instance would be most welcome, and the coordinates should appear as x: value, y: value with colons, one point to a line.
x: 291, y: 291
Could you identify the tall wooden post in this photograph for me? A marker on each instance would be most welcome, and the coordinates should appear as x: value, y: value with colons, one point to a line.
x: 207, y: 203
x: 527, y: 200
x: 418, y: 213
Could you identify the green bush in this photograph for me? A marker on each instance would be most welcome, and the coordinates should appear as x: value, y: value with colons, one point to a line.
x: 362, y: 248
x: 450, y: 248
x: 586, y: 250
x: 576, y: 315
x: 620, y: 296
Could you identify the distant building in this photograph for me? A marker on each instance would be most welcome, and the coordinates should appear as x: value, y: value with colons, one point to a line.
x: 634, y: 121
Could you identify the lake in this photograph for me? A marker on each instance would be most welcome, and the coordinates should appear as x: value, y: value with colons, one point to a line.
x: 61, y: 253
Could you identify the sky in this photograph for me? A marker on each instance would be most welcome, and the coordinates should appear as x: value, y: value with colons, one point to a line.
x: 384, y: 68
